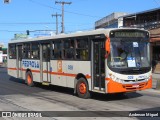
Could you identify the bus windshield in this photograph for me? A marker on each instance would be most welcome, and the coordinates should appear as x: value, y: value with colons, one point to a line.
x: 129, y: 54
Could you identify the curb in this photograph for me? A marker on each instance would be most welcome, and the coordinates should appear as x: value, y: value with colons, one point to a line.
x: 158, y: 85
x: 153, y: 90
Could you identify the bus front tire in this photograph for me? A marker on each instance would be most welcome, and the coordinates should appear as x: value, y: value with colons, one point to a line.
x: 29, y: 79
x: 82, y: 89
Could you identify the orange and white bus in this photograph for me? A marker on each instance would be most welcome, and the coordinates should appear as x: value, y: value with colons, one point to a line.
x: 104, y: 61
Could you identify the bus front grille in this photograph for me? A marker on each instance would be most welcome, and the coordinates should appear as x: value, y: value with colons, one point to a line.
x: 139, y: 80
x: 134, y: 86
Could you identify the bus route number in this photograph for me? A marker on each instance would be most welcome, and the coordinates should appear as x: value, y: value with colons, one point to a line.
x: 70, y: 67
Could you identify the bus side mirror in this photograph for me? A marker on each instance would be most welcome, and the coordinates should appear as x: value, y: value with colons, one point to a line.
x: 107, y: 47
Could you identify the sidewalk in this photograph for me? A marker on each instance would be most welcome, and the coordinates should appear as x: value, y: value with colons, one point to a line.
x: 155, y: 78
x: 156, y: 75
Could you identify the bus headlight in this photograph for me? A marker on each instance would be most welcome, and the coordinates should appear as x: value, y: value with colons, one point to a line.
x: 115, y: 79
x: 148, y: 78
x: 119, y: 80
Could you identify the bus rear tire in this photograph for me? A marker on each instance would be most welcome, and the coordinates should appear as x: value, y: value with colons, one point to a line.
x: 29, y: 79
x: 82, y: 89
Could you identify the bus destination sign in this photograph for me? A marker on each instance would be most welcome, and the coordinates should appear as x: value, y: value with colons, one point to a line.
x: 129, y: 34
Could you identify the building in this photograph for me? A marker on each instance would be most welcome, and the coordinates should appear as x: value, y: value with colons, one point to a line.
x: 149, y: 20
x: 3, y: 54
x: 110, y: 21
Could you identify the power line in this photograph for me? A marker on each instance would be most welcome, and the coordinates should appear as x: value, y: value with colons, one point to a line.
x: 76, y: 13
x: 10, y: 31
x: 63, y: 3
x: 156, y: 3
x: 40, y: 23
x: 44, y: 5
x: 26, y: 23
x: 24, y: 31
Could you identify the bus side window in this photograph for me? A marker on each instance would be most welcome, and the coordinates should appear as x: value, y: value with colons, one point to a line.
x: 46, y: 52
x: 82, y: 49
x: 26, y: 51
x: 53, y: 47
x: 12, y: 51
x: 35, y: 50
x: 69, y: 49
x: 57, y: 50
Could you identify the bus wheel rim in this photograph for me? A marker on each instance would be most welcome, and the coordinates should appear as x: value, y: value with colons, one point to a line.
x: 82, y: 88
x: 29, y: 79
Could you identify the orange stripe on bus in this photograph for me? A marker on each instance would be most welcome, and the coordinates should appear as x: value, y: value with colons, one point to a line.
x: 36, y: 71
x: 45, y: 71
x: 63, y: 74
x: 107, y: 78
x: 88, y: 77
x: 52, y: 73
x: 12, y: 68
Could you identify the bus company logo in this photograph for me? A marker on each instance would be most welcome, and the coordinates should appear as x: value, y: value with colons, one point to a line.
x: 59, y: 66
x: 30, y: 63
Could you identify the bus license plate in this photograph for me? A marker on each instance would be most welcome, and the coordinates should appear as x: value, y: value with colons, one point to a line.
x: 136, y: 86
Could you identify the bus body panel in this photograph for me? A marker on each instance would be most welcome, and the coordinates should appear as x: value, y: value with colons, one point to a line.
x: 73, y: 68
x: 33, y: 66
x: 12, y: 68
x: 57, y: 77
x: 63, y: 73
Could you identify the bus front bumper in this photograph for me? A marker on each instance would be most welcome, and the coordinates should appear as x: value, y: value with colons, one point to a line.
x: 115, y: 87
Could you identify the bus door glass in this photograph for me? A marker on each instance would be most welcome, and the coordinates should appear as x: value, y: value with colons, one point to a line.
x: 19, y: 61
x: 98, y: 64
x: 46, y: 62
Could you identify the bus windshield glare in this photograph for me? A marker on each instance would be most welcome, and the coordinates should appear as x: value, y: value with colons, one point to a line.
x: 129, y: 53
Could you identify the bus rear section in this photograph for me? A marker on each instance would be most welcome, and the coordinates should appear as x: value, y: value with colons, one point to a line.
x: 128, y: 65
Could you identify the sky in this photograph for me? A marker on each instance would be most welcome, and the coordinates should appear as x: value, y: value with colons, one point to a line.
x: 21, y: 15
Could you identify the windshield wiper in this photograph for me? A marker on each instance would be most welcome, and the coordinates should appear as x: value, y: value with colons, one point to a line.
x: 139, y: 53
x: 136, y: 69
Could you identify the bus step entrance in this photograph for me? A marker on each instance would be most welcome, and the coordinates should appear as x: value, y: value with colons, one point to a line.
x: 46, y: 83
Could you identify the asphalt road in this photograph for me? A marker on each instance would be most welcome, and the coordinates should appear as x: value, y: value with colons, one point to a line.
x: 15, y: 95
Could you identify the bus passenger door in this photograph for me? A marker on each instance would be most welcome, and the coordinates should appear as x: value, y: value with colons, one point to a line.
x: 98, y: 65
x: 19, y: 61
x: 45, y: 58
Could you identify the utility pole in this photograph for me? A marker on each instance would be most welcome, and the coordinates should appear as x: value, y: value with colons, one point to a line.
x: 62, y: 3
x: 56, y: 15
